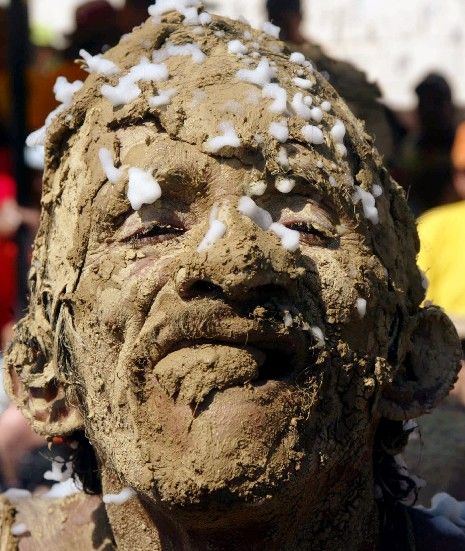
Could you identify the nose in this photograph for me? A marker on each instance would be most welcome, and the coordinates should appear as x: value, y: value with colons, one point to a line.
x: 248, y: 263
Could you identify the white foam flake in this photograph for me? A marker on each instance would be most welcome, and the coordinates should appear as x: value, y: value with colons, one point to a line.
x: 297, y: 57
x: 261, y: 217
x: 120, y: 498
x: 219, y: 33
x: 228, y: 138
x: 287, y: 319
x: 165, y: 6
x: 257, y: 188
x: 216, y: 231
x: 284, y: 185
x: 63, y: 489
x: 308, y: 100
x: 279, y: 131
x: 247, y: 35
x: 278, y: 94
x: 98, y: 64
x: 61, y: 470
x: 19, y: 529
x: 260, y: 76
x: 377, y: 190
x: 174, y: 50
x: 270, y: 29
x: 341, y: 149
x: 332, y: 181
x: 338, y: 131
x: 283, y: 158
x: 37, y: 138
x: 318, y: 335
x: 147, y: 71
x: 124, y: 92
x: 303, y: 83
x: 289, y: 238
x: 424, y: 280
x: 112, y: 173
x: 205, y: 18
x: 312, y: 134
x: 64, y: 90
x: 163, y: 97
x: 326, y: 106
x: 236, y: 47
x: 35, y: 157
x: 361, y: 305
x: 300, y: 108
x: 143, y: 188
x: 15, y: 494
x: 368, y: 204
x: 316, y: 114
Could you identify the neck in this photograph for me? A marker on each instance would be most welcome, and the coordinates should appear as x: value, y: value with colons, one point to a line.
x: 344, y: 516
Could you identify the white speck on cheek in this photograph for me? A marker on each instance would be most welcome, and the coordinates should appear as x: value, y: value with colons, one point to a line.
x: 338, y: 131
x: 312, y: 134
x: 173, y: 50
x: 270, y: 29
x: 424, y: 280
x: 326, y: 106
x: 289, y: 238
x: 316, y: 114
x: 64, y: 90
x: 261, y: 217
x: 318, y: 335
x: 300, y: 108
x: 143, y: 189
x: 215, y: 232
x: 368, y: 204
x: 236, y: 47
x: 279, y: 95
x: 19, y: 529
x: 98, y: 64
x: 377, y: 190
x: 123, y: 93
x: 279, y: 131
x: 260, y: 76
x: 284, y: 185
x: 228, y: 138
x: 303, y: 83
x: 112, y: 173
x: 361, y: 305
x: 119, y: 499
x: 297, y: 57
x: 283, y: 158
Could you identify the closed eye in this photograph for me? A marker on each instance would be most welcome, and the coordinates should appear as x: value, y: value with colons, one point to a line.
x: 311, y: 234
x: 155, y: 233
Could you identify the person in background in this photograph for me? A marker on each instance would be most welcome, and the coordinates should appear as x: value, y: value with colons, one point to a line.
x: 442, y: 236
x: 351, y: 83
x: 133, y: 13
x: 424, y: 166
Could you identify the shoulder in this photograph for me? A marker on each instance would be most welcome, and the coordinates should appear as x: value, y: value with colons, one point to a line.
x: 434, y: 218
x: 38, y: 523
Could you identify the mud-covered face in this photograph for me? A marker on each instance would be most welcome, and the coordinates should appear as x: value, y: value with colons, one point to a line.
x: 232, y: 373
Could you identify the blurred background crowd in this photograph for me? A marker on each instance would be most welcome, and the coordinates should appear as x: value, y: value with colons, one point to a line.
x: 422, y: 140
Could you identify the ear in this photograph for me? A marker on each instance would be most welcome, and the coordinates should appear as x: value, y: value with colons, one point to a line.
x: 429, y: 360
x: 34, y: 382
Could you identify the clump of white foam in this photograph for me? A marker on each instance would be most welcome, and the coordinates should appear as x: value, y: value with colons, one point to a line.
x: 376, y: 190
x: 260, y: 76
x: 63, y: 489
x: 163, y: 97
x: 205, y: 18
x: 173, y: 50
x: 64, y: 90
x: 164, y: 6
x: 283, y: 158
x: 120, y: 498
x: 123, y: 93
x: 298, y: 58
x: 284, y: 185
x: 98, y: 64
x: 270, y: 29
x: 308, y: 100
x: 19, y: 529
x: 236, y: 47
x: 228, y: 138
x: 143, y: 189
x: 361, y: 305
x: 303, y: 83
x: 279, y: 131
x: 337, y: 133
x: 278, y: 94
x: 257, y: 188
x: 35, y: 157
x: 216, y: 231
x: 326, y: 106
x: 61, y: 470
x: 316, y: 114
x: 112, y: 173
x: 368, y: 204
x: 289, y: 238
x: 147, y: 71
x: 261, y: 217
x: 312, y: 134
x: 300, y: 108
x: 318, y: 335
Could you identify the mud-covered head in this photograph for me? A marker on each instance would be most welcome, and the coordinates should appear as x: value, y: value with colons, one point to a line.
x: 224, y: 291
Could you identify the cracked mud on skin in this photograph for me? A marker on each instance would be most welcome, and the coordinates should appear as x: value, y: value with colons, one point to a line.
x: 195, y: 387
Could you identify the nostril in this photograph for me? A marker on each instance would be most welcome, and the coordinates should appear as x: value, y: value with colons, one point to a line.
x: 203, y: 288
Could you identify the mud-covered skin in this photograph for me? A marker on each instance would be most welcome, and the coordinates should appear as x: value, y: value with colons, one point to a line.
x: 236, y: 430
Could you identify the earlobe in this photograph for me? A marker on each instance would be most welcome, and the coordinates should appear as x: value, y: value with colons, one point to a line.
x: 429, y: 360
x: 33, y: 381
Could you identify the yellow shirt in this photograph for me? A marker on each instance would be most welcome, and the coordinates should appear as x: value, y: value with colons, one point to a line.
x: 442, y: 256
